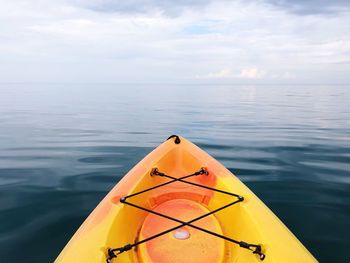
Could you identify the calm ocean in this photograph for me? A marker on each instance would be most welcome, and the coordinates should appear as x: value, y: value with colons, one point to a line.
x: 64, y: 146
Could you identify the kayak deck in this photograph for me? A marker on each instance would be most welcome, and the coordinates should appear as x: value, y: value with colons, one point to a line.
x: 132, y: 214
x: 171, y: 234
x: 172, y: 246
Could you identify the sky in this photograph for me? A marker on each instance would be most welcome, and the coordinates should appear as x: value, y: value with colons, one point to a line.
x: 175, y: 41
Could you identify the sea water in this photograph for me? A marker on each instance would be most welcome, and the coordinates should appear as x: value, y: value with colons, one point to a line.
x: 64, y: 146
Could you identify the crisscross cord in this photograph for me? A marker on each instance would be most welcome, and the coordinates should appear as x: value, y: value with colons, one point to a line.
x: 113, y: 253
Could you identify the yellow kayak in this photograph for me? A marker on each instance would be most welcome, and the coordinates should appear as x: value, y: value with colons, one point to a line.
x: 181, y: 205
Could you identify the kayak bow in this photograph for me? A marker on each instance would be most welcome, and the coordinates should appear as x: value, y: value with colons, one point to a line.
x: 180, y: 205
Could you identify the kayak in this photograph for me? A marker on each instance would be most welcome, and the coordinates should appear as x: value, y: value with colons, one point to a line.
x: 181, y: 205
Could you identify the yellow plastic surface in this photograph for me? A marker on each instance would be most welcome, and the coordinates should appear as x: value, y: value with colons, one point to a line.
x: 113, y: 224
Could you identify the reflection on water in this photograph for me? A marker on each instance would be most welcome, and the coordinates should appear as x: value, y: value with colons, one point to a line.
x: 63, y: 147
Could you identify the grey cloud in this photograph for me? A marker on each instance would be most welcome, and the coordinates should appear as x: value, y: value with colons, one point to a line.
x: 176, y: 7
x: 309, y: 7
x: 168, y: 7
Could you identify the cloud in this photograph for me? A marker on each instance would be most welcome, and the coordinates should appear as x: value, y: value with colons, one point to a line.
x: 144, y: 41
x: 176, y: 7
x: 167, y: 7
x: 309, y: 7
x: 246, y: 73
x: 224, y: 73
x: 68, y: 27
x: 251, y: 73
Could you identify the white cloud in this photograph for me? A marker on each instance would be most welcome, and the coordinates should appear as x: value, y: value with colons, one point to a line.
x: 65, y: 41
x: 224, y: 73
x: 251, y: 73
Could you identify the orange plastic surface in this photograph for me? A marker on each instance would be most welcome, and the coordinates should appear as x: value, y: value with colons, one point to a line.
x: 170, y: 247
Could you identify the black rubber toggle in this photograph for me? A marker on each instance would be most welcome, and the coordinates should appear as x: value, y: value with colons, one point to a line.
x: 155, y: 172
x: 111, y: 254
x: 177, y: 139
x: 204, y: 170
x: 257, y: 249
x: 119, y: 250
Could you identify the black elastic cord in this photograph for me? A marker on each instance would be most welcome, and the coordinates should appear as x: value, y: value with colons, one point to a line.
x: 199, y: 185
x: 155, y: 172
x: 203, y: 171
x: 189, y: 223
x: 127, y: 247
